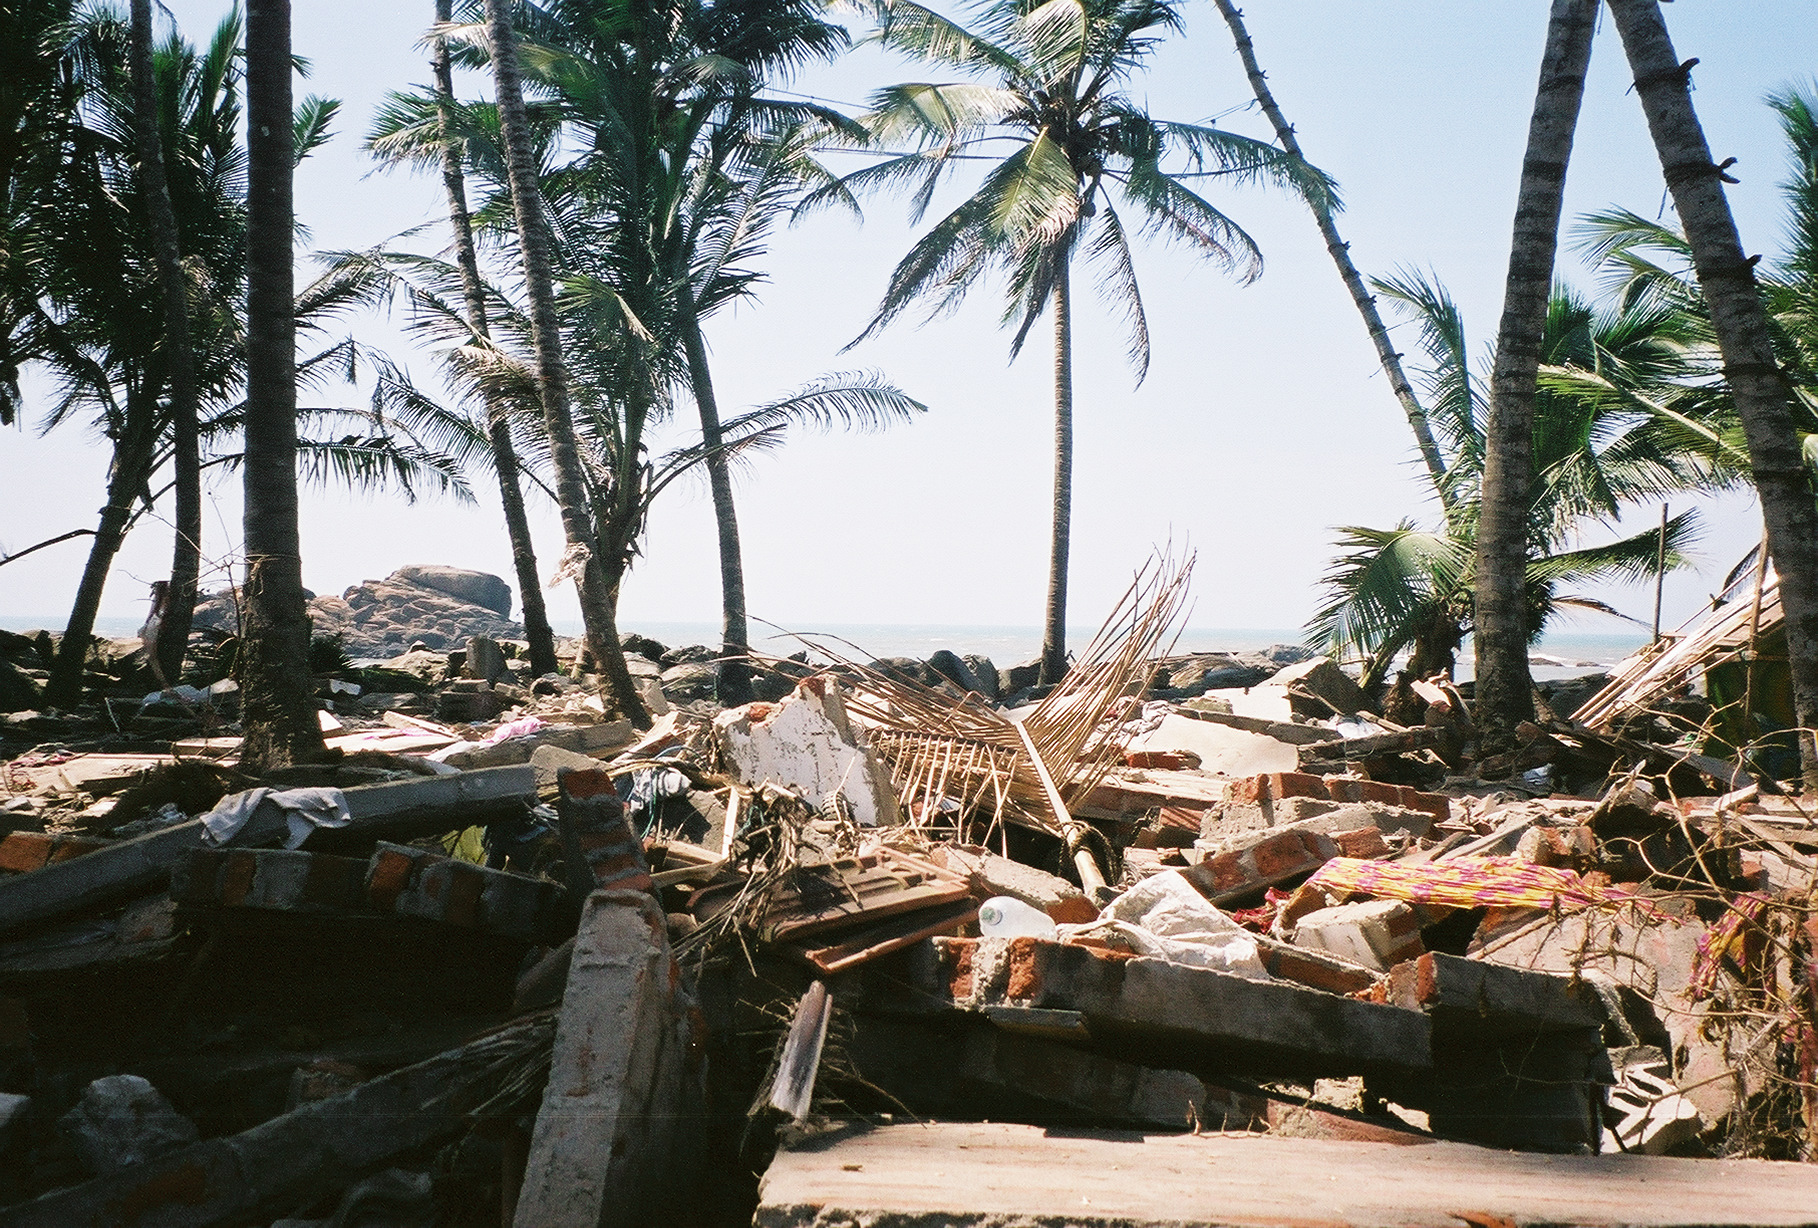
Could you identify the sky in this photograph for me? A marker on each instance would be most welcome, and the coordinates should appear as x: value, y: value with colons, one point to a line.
x: 1264, y: 420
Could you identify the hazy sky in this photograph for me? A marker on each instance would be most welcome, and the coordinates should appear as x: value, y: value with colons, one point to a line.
x: 1264, y: 420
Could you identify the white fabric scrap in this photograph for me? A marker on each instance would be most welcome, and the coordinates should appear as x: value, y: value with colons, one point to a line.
x: 1165, y: 917
x: 304, y: 811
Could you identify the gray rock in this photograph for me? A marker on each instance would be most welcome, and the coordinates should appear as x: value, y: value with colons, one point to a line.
x: 690, y: 680
x: 1019, y: 677
x: 985, y: 672
x: 483, y: 658
x: 644, y: 646
x: 949, y: 666
x: 905, y: 667
x: 688, y: 655
x: 479, y: 588
x: 123, y: 1120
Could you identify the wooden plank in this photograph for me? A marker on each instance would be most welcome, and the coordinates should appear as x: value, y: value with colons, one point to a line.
x: 874, y: 942
x: 976, y: 1174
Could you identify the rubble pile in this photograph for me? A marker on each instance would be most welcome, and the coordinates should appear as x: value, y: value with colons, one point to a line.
x: 507, y: 959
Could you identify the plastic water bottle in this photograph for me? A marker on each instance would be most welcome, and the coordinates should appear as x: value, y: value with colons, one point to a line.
x: 1001, y: 916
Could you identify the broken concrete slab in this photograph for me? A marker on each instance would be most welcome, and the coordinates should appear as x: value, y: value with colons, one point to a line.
x: 1196, y: 1016
x: 610, y: 1110
x: 991, y: 1174
x: 1374, y: 933
x: 1222, y: 747
x: 807, y: 744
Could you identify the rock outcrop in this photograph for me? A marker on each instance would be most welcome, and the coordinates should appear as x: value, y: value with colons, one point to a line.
x: 438, y: 607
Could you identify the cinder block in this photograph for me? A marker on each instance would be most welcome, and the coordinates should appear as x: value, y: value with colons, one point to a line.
x: 1376, y: 933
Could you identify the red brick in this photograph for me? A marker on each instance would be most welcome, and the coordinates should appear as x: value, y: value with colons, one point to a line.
x: 1345, y: 788
x: 956, y: 964
x: 462, y: 906
x: 389, y: 877
x: 592, y: 782
x: 1162, y: 760
x: 1072, y: 910
x: 24, y: 851
x: 1436, y: 804
x: 1286, y: 964
x: 1380, y: 792
x: 1249, y: 790
x: 1025, y: 977
x: 237, y: 877
x: 1296, y: 784
x: 1366, y: 843
x: 1288, y: 853
x: 1186, y: 818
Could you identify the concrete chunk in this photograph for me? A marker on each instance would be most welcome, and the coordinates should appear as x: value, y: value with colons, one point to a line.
x: 599, y: 1150
x: 806, y: 744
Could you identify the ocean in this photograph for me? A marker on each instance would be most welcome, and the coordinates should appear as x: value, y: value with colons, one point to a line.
x: 1560, y: 653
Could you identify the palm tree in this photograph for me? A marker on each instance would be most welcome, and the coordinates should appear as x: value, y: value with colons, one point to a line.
x: 1340, y: 251
x: 185, y: 411
x: 682, y: 169
x: 1409, y: 588
x: 1763, y: 399
x: 504, y: 456
x: 1505, y: 689
x: 579, y: 518
x: 278, y: 710
x: 40, y: 86
x: 1648, y: 262
x: 1052, y: 78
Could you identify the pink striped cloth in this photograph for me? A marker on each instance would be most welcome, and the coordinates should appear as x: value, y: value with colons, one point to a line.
x: 1464, y: 882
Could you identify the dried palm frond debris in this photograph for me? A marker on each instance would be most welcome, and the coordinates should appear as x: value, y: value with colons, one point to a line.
x: 955, y: 756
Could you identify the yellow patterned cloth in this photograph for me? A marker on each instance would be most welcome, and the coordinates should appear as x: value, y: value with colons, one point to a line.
x: 1463, y: 882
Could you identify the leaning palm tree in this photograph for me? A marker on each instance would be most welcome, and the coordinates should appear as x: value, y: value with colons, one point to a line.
x: 1764, y: 402
x: 1340, y: 251
x: 1052, y: 79
x: 1409, y: 589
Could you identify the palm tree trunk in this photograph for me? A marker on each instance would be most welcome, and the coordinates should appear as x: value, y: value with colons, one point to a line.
x: 498, y: 424
x: 1763, y: 400
x: 1341, y: 256
x: 1054, y: 629
x: 552, y: 374
x: 64, y: 688
x: 1505, y: 688
x: 167, y: 247
x: 734, y: 686
x: 279, y: 712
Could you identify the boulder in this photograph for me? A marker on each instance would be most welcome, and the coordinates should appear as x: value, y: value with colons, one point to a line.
x: 949, y: 666
x: 479, y: 588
